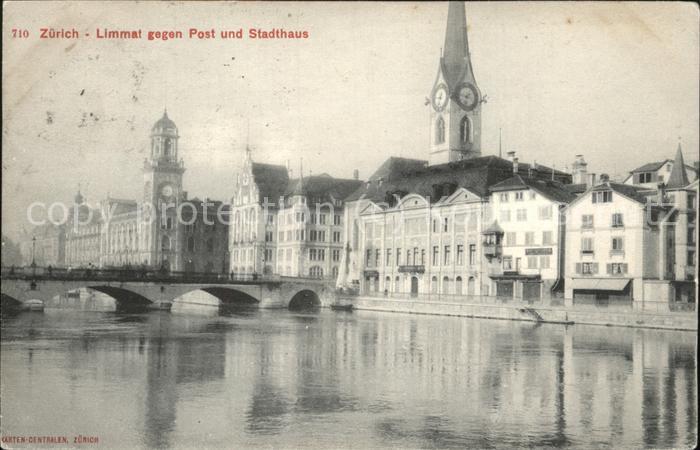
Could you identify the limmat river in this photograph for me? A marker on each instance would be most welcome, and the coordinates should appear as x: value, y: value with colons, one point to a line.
x: 332, y: 379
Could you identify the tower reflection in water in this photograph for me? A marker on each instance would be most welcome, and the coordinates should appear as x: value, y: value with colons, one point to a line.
x: 345, y: 380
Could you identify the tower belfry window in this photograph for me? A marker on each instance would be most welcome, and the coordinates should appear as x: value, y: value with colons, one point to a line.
x: 168, y: 146
x: 465, y: 130
x: 439, y: 130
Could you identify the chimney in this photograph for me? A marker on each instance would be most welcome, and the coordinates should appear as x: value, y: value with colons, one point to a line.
x: 356, y: 174
x: 604, y: 178
x: 591, y: 179
x: 579, y: 172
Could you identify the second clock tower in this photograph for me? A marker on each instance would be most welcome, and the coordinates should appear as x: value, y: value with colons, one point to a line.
x: 162, y: 194
x: 455, y: 114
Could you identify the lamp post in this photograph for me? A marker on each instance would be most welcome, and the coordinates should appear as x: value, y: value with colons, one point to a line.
x: 33, y: 255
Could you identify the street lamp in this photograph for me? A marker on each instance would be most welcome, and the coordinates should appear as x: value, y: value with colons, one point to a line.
x: 33, y: 251
x: 33, y: 256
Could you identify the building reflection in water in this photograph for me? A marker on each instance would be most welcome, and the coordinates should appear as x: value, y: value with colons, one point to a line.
x: 277, y: 378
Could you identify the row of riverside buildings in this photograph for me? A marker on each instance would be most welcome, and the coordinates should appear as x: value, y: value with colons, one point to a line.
x: 459, y: 224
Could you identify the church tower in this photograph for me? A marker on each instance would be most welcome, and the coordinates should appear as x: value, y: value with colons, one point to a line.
x: 455, y: 114
x: 162, y: 170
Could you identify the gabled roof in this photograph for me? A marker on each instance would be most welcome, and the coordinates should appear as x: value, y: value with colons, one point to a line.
x: 636, y: 193
x: 651, y: 167
x: 552, y: 190
x: 654, y: 166
x: 576, y: 188
x: 402, y: 176
x: 322, y: 188
x: 272, y: 181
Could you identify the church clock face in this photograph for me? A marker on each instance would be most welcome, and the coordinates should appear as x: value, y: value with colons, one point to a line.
x: 167, y: 191
x: 467, y: 96
x: 440, y: 97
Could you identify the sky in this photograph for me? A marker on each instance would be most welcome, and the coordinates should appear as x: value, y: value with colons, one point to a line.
x: 616, y: 82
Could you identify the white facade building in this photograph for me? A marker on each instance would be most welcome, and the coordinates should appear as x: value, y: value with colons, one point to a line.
x: 528, y: 235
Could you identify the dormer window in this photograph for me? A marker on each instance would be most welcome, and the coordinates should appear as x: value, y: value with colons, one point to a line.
x: 645, y: 177
x: 602, y: 197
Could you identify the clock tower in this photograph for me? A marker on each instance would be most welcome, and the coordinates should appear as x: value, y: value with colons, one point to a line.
x: 162, y: 172
x: 455, y: 113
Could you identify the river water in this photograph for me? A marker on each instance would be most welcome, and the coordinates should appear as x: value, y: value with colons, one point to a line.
x: 341, y: 380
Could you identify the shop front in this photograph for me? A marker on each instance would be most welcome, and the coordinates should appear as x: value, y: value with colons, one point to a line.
x: 602, y: 291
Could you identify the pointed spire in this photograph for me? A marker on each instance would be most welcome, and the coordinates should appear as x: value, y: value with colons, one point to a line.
x: 678, y: 177
x: 455, y: 55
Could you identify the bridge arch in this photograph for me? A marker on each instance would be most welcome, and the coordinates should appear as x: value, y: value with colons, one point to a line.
x: 305, y: 299
x: 231, y: 296
x: 205, y: 299
x: 124, y: 298
x: 8, y: 302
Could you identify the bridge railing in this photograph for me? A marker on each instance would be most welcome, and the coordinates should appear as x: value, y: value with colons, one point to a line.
x: 132, y: 274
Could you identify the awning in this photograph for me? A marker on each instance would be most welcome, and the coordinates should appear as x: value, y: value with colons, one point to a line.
x: 600, y: 284
x: 511, y: 276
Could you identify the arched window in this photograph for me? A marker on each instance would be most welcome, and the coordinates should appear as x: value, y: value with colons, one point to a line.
x: 334, y: 271
x: 168, y: 147
x: 387, y: 284
x: 397, y: 284
x: 210, y: 245
x: 471, y: 286
x: 465, y: 130
x: 439, y: 130
x: 165, y: 243
x: 190, y: 244
x: 446, y: 285
x: 434, y: 285
x: 458, y: 285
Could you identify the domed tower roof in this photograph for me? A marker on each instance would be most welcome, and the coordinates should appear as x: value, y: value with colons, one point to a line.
x: 164, y: 123
x: 78, y: 199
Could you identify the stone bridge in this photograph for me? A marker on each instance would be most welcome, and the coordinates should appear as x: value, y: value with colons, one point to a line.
x: 282, y: 292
